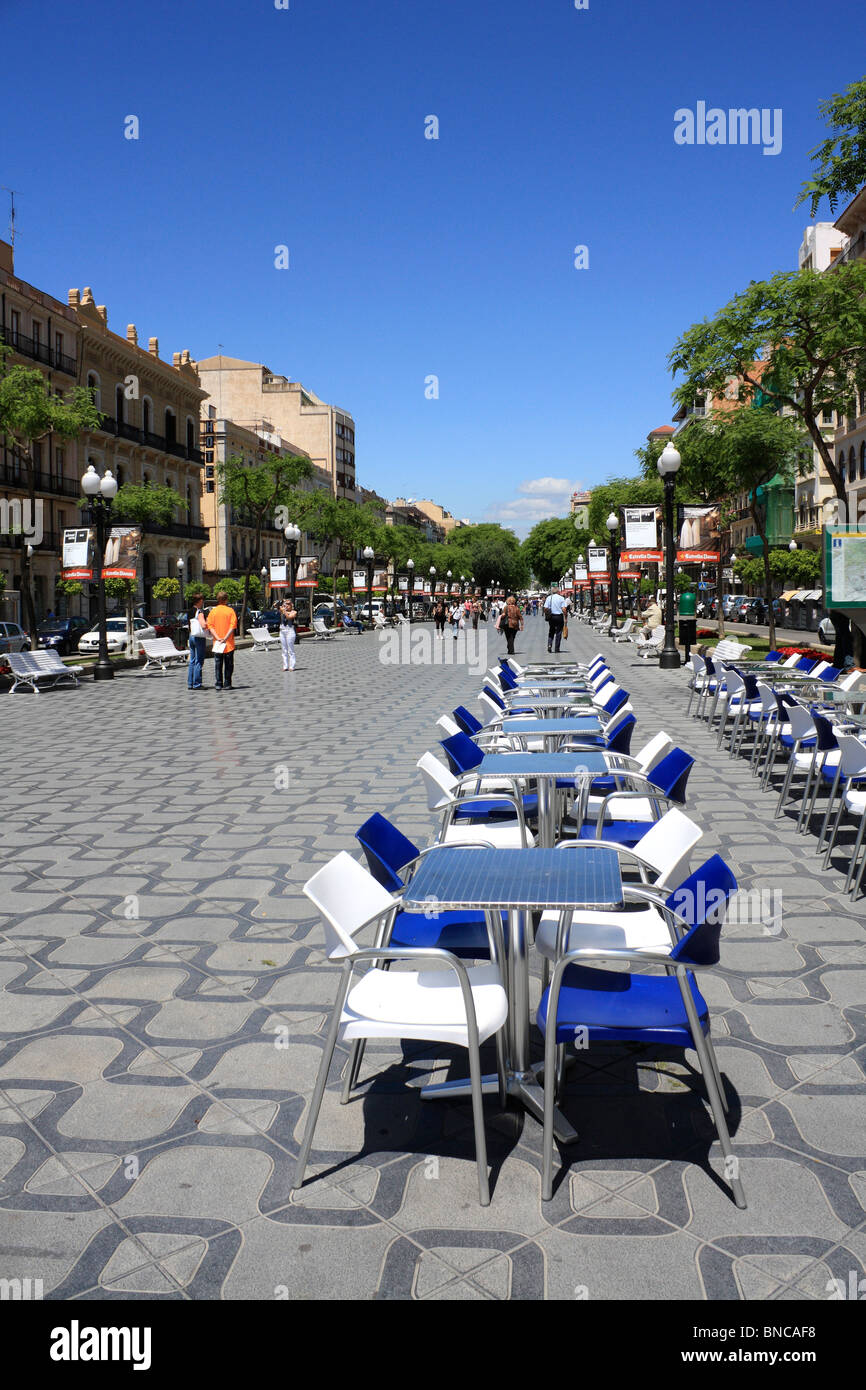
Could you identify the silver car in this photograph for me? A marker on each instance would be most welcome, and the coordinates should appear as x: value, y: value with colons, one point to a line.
x: 115, y: 631
x: 13, y: 638
x: 826, y: 632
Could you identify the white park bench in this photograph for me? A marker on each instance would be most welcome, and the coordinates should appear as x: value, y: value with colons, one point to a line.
x: 651, y: 646
x: 161, y: 653
x: 729, y: 649
x: 40, y: 668
x: 263, y: 640
x: 624, y: 633
x: 322, y: 632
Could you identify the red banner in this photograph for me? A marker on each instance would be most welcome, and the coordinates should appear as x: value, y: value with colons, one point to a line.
x: 642, y: 557
x: 687, y: 557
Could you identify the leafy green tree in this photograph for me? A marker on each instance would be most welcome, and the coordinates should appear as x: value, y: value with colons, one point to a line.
x: 551, y: 548
x: 29, y: 413
x: 841, y: 158
x: 141, y: 503
x: 256, y: 494
x: 166, y: 589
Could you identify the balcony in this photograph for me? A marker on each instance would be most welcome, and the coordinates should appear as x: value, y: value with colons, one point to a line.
x: 154, y: 441
x: 174, y: 446
x: 129, y: 432
x: 853, y: 251
x: 182, y: 530
x: 19, y: 477
x: 39, y: 352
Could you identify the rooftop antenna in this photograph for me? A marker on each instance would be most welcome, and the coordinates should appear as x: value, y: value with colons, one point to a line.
x: 11, y: 192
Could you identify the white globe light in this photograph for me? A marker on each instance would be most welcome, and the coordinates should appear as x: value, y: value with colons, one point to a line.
x: 669, y: 461
x: 90, y: 482
x: 108, y: 484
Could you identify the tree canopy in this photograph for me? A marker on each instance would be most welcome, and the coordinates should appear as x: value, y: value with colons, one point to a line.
x: 841, y: 158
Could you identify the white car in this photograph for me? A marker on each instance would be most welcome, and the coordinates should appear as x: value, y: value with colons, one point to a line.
x: 115, y: 631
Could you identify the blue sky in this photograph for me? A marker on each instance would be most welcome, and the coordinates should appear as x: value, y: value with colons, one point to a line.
x: 411, y: 257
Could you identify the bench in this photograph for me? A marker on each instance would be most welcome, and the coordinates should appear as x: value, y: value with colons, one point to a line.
x: 35, y: 669
x: 263, y: 640
x: 729, y: 650
x: 623, y: 634
x: 161, y: 653
x: 323, y: 633
x: 651, y: 646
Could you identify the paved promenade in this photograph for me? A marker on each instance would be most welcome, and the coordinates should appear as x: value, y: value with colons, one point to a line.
x: 165, y: 995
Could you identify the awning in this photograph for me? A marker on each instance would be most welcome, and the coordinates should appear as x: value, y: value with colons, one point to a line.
x: 786, y: 598
x: 813, y: 595
x: 801, y: 595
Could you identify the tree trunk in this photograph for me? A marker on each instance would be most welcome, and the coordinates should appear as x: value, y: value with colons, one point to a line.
x: 768, y: 578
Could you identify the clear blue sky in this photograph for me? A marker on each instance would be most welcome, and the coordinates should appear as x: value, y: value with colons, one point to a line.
x: 411, y: 257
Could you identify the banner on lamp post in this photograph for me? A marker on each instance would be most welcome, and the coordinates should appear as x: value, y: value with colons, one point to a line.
x: 279, y: 573
x: 79, y: 543
x: 597, y: 560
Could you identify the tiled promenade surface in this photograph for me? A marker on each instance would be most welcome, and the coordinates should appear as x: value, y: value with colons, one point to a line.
x: 155, y: 949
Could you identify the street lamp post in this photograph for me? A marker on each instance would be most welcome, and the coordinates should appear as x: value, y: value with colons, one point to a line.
x: 264, y: 577
x: 100, y: 492
x: 592, y: 546
x: 612, y: 524
x: 410, y: 565
x: 432, y: 585
x: 668, y: 465
x: 581, y: 561
x: 292, y: 534
x: 369, y: 556
x: 180, y: 568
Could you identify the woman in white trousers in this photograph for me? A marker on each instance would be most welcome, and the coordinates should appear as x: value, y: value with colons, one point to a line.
x: 288, y: 618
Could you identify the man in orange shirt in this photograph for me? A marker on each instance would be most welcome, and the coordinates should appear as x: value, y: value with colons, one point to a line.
x: 222, y: 622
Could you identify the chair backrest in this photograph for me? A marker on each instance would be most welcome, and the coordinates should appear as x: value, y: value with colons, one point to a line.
x: 829, y: 673
x: 672, y: 774
x: 652, y: 753
x: 848, y: 682
x: 386, y: 849
x: 447, y: 725
x: 667, y: 846
x: 615, y: 700
x: 619, y: 735
x: 734, y: 681
x: 507, y: 678
x: 824, y: 730
x: 852, y: 755
x: 790, y: 661
x: 701, y: 901
x: 698, y: 664
x: 805, y: 663
x: 773, y: 656
x: 438, y: 783
x: 462, y: 754
x: 750, y: 681
x: 467, y: 721
x: 818, y: 667
x: 600, y: 677
x: 801, y: 721
x: 767, y: 696
x: 258, y: 634
x: 347, y: 897
x: 492, y: 696
x: 319, y: 626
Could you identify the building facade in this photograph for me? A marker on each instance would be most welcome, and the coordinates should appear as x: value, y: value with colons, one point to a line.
x: 253, y: 396
x: 850, y: 436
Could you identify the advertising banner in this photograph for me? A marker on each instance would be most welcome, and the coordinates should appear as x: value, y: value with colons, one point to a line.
x: 699, y: 534
x: 580, y: 572
x: 403, y: 583
x: 597, y: 560
x: 380, y: 581
x: 122, y: 550
x: 845, y: 566
x: 308, y: 572
x: 643, y: 557
x: 641, y: 527
x: 79, y: 543
x: 359, y: 581
x: 279, y: 576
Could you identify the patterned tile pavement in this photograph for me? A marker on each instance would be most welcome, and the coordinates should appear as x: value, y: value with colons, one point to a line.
x: 165, y: 995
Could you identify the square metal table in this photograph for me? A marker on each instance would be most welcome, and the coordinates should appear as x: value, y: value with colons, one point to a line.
x: 545, y: 768
x: 542, y: 703
x: 581, y: 726
x: 515, y: 881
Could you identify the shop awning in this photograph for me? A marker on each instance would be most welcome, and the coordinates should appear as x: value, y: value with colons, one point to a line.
x: 813, y: 595
x: 800, y: 596
x: 786, y: 598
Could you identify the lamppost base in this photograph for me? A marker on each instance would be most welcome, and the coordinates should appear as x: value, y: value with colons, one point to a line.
x: 669, y: 660
x: 103, y: 672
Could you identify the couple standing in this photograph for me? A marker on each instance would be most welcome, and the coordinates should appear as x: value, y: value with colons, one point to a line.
x: 222, y: 624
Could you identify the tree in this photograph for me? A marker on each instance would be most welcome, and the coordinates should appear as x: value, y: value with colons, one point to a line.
x: 337, y: 521
x: 255, y: 493
x: 841, y: 158
x: 492, y: 552
x: 29, y: 413
x: 796, y: 342
x: 551, y: 548
x: 166, y: 588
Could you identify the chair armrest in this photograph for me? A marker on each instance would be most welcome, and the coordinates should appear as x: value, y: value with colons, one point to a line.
x: 436, y: 953
x: 639, y: 795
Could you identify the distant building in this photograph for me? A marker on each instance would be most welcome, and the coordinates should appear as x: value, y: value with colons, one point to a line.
x: 580, y: 508
x: 850, y: 438
x: 442, y: 518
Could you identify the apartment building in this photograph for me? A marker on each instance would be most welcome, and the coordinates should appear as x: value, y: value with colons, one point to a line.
x: 253, y: 396
x: 232, y: 541
x: 438, y: 515
x: 42, y: 333
x: 580, y: 501
x: 410, y: 514
x: 850, y: 436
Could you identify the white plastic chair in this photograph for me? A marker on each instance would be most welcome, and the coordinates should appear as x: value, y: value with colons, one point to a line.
x: 446, y: 795
x: 456, y: 1004
x: 852, y: 764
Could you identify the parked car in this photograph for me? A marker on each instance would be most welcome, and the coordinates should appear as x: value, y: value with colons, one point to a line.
x: 754, y: 610
x: 738, y: 609
x: 163, y: 624
x: 13, y: 638
x: 61, y: 634
x: 115, y: 630
x: 269, y: 618
x: 826, y: 632
x: 326, y: 611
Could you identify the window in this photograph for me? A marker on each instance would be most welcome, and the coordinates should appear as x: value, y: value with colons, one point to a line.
x: 58, y: 346
x: 190, y: 435
x: 121, y: 475
x: 170, y: 427
x: 863, y: 401
x: 826, y: 417
x: 59, y: 462
x: 863, y: 458
x: 119, y: 405
x: 211, y: 412
x: 842, y: 468
x: 146, y: 415
x: 37, y: 334
x: 93, y: 388
x: 14, y: 326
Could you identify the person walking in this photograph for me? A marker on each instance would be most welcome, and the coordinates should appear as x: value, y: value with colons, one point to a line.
x: 511, y: 622
x: 197, y: 643
x: 288, y: 633
x: 456, y: 616
x: 554, y: 610
x: 476, y: 614
x: 222, y: 622
x: 439, y: 616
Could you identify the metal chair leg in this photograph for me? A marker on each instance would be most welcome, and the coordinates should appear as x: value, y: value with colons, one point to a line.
x: 849, y: 881
x: 834, y: 835
x: 710, y: 1070
x: 789, y: 772
x: 478, y: 1123
x: 351, y: 1078
x: 321, y: 1081
x: 501, y: 1069
x: 834, y: 791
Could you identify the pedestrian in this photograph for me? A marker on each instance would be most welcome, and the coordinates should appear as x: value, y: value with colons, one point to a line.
x: 511, y: 622
x: 555, y: 608
x: 652, y: 617
x: 476, y: 614
x: 197, y: 643
x: 456, y: 619
x: 222, y: 622
x: 439, y: 616
x: 288, y: 633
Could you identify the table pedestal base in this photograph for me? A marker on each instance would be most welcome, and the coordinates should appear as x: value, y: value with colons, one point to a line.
x: 524, y: 1087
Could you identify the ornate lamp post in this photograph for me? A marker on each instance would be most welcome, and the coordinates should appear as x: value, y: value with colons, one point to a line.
x: 581, y: 561
x: 264, y: 577
x: 432, y: 584
x: 592, y: 546
x: 100, y: 493
x: 369, y: 556
x: 292, y: 534
x: 180, y: 569
x: 410, y: 565
x: 612, y: 524
x: 668, y: 466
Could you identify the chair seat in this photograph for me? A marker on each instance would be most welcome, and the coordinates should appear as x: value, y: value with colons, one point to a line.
x: 618, y: 832
x: 615, y: 1006
x: 644, y: 929
x: 855, y: 800
x: 629, y: 808
x: 497, y: 810
x: 424, y: 1004
x: 500, y: 834
x: 464, y: 934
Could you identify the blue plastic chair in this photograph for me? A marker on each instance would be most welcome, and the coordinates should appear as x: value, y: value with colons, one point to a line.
x: 388, y: 852
x: 667, y: 782
x: 617, y: 740
x: 615, y: 702
x: 464, y: 756
x: 604, y: 1006
x: 467, y: 721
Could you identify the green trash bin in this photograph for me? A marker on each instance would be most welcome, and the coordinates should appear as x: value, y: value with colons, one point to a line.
x: 688, y: 604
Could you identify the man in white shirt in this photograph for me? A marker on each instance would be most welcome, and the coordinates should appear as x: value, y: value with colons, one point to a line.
x: 555, y: 610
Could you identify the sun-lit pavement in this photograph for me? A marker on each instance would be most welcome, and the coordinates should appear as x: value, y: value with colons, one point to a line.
x: 165, y: 996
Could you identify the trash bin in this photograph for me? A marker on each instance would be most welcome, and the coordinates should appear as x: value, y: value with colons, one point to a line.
x: 688, y: 632
x: 688, y: 603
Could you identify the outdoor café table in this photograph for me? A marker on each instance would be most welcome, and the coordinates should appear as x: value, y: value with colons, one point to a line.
x: 545, y: 768
x: 551, y: 704
x: 515, y: 881
x: 580, y: 726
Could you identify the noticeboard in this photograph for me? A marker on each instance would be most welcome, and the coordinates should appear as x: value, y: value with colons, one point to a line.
x: 845, y: 566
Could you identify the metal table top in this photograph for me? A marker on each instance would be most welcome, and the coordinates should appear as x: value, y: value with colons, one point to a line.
x: 578, y: 724
x: 516, y: 879
x: 832, y: 695
x: 542, y: 764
